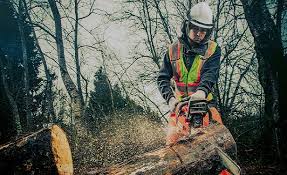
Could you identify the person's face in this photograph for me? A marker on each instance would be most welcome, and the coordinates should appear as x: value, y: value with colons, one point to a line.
x: 196, y: 33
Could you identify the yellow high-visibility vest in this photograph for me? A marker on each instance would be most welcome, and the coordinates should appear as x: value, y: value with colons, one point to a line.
x: 188, y: 81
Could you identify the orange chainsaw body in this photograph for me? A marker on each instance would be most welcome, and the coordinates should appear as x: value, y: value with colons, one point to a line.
x: 179, y: 126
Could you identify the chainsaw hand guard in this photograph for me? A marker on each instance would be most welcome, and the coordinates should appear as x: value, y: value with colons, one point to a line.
x: 197, y: 107
x: 195, y: 111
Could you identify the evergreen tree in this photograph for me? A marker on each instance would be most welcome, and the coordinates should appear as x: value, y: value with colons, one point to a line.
x: 101, y: 100
x: 106, y: 100
x: 12, y: 60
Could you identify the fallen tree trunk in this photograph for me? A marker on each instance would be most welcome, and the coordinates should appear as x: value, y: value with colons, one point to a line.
x: 46, y: 151
x: 194, y: 156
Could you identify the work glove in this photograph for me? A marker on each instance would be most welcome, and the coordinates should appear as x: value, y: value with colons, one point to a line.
x: 198, y: 95
x: 172, y: 104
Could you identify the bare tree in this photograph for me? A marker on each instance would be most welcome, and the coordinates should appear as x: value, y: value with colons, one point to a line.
x: 151, y: 18
x: 272, y: 68
x: 70, y: 86
x: 48, y: 91
x: 27, y: 94
x: 76, y: 48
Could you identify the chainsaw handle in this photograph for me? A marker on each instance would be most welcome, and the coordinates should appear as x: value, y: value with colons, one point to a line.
x: 188, y: 101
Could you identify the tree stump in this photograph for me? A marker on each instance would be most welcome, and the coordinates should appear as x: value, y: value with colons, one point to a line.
x: 46, y: 151
x: 194, y: 156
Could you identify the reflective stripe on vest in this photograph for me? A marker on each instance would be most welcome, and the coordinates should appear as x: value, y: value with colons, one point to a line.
x: 187, y: 82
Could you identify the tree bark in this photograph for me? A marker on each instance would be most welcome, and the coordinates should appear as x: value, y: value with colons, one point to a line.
x: 194, y: 156
x: 76, y: 47
x: 69, y: 84
x: 269, y: 49
x: 27, y: 96
x: 46, y: 151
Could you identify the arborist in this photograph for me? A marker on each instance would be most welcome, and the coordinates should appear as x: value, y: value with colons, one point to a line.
x: 192, y: 63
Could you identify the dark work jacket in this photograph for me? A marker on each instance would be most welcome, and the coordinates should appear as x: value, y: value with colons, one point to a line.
x: 209, y: 72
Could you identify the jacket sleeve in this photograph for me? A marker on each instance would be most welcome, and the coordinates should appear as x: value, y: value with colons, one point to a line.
x: 163, y: 79
x: 210, y: 72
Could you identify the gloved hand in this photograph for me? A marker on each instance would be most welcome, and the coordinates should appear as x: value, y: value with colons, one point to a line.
x: 198, y: 95
x: 172, y: 103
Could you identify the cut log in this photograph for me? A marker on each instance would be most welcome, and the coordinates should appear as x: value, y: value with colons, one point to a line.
x: 194, y: 156
x: 46, y: 151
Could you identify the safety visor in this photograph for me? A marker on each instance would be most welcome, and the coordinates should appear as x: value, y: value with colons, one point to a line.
x: 196, y: 28
x: 200, y: 24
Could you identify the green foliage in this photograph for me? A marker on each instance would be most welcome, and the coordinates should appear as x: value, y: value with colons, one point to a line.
x: 12, y: 58
x: 106, y: 99
x: 101, y: 97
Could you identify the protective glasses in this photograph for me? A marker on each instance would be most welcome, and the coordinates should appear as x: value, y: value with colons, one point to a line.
x: 196, y: 29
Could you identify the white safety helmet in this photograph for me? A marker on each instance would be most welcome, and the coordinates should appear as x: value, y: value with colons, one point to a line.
x: 201, y: 15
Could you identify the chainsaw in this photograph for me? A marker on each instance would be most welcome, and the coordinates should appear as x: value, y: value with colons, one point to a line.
x: 193, y: 115
x: 189, y: 116
x: 193, y: 111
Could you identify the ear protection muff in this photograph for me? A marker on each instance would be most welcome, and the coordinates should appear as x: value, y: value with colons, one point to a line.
x: 208, y: 35
x: 183, y: 28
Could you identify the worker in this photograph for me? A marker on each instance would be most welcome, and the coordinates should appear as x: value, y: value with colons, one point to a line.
x: 192, y: 63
